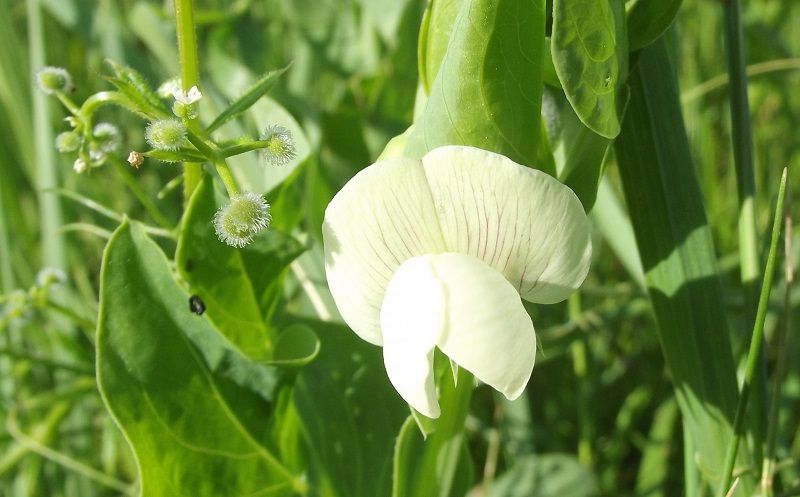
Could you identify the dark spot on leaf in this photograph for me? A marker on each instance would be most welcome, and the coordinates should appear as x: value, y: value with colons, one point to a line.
x: 196, y: 305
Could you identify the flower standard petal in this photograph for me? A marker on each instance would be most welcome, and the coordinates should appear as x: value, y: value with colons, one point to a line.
x: 382, y: 217
x: 413, y: 317
x: 520, y: 221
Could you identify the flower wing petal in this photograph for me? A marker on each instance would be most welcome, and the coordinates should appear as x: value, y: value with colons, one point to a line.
x: 383, y: 216
x: 520, y: 221
x: 413, y: 317
x: 487, y: 332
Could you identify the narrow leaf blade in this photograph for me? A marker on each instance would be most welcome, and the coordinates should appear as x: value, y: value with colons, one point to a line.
x: 251, y: 96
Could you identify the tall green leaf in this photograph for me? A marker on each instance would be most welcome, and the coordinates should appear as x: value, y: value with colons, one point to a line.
x: 675, y: 245
x: 171, y: 385
x: 590, y: 53
x: 238, y: 286
x: 487, y: 90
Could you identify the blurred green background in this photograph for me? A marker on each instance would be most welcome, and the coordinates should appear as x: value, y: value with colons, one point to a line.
x: 599, y: 391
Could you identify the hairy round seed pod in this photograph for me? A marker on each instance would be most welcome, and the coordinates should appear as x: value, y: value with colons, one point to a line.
x: 52, y: 79
x: 166, y: 134
x: 280, y: 149
x: 106, y: 137
x: 68, y: 141
x: 245, y: 215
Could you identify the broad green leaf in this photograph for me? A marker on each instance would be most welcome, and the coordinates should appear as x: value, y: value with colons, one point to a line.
x: 434, y: 36
x: 546, y: 475
x: 237, y: 286
x: 437, y: 466
x: 649, y: 19
x: 578, y: 151
x: 590, y: 52
x: 349, y: 415
x: 174, y: 388
x: 487, y: 90
x: 677, y: 252
x: 251, y: 96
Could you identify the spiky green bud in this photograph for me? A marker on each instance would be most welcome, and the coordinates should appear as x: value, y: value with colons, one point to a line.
x: 240, y: 220
x: 280, y: 149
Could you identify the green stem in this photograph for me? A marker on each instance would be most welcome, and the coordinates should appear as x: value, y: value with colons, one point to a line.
x: 190, y: 75
x: 87, y: 324
x: 215, y: 155
x: 64, y: 460
x: 770, y: 461
x: 46, y: 361
x: 579, y: 364
x: 67, y: 102
x: 434, y: 479
x: 755, y: 342
x: 53, y: 249
x: 244, y: 148
x: 137, y: 190
x: 99, y: 99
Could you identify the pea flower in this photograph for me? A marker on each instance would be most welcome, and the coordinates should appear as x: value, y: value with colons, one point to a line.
x: 437, y: 252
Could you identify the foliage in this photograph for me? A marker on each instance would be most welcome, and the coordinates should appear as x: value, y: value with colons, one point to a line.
x: 112, y: 384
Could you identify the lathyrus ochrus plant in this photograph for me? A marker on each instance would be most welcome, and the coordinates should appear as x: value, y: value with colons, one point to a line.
x: 221, y: 389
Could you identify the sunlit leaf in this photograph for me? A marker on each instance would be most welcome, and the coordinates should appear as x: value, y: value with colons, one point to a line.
x: 487, y: 90
x: 590, y: 51
x: 171, y: 384
x: 236, y: 285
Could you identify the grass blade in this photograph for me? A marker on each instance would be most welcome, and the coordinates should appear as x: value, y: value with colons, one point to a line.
x: 756, y: 340
x: 675, y: 245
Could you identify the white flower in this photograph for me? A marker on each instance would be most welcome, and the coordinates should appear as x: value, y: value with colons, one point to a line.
x: 437, y: 252
x: 79, y: 166
x: 187, y: 98
x: 169, y: 87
